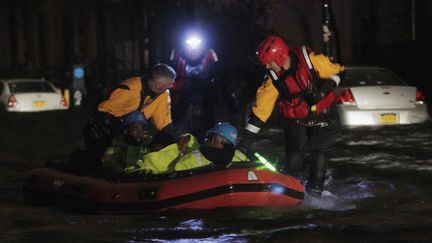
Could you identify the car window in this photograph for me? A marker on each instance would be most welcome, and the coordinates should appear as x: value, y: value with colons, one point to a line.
x: 370, y: 77
x: 30, y: 87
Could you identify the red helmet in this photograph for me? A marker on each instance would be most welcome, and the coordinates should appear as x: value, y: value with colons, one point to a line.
x: 273, y: 48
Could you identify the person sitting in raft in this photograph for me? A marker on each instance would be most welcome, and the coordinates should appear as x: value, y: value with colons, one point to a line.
x: 218, y: 149
x: 136, y: 141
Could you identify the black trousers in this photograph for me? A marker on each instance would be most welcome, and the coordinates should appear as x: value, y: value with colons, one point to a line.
x: 196, y: 117
x: 301, y: 139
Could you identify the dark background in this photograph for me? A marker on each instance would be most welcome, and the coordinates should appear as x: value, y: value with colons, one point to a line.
x: 115, y: 39
x: 380, y: 177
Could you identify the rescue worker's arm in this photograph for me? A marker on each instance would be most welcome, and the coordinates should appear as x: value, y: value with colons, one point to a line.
x: 124, y: 99
x: 266, y: 97
x: 325, y: 68
x: 159, y: 111
x: 327, y: 71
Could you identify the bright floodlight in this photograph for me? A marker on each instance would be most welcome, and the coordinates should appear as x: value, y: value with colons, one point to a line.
x: 193, y: 42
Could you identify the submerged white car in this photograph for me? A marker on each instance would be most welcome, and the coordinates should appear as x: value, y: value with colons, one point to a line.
x: 29, y: 95
x: 376, y: 96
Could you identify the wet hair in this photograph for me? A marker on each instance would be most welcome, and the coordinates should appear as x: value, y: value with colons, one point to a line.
x: 160, y: 71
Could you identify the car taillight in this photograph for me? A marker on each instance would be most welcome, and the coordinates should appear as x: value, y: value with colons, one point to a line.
x: 420, y: 98
x: 346, y: 97
x: 63, y: 102
x: 12, y: 101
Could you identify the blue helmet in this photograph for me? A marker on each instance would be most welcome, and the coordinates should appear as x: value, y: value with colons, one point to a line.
x: 225, y: 130
x: 134, y: 117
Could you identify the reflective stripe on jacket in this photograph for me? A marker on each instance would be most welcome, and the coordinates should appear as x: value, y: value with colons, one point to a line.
x: 122, y: 101
x: 239, y: 156
x: 191, y: 160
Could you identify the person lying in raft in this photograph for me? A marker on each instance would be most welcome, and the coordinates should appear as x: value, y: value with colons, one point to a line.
x: 219, y: 148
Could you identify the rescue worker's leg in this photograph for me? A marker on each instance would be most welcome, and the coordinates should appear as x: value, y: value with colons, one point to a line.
x: 296, y: 138
x: 321, y: 141
x: 317, y: 173
x: 203, y: 118
x: 180, y: 115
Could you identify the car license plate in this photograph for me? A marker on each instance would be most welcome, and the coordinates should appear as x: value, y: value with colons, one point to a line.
x: 389, y: 118
x: 38, y: 103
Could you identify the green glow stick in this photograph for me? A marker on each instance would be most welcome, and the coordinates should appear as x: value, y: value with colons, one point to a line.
x: 265, y: 162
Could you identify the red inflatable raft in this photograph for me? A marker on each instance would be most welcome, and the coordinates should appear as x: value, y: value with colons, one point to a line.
x: 242, y: 186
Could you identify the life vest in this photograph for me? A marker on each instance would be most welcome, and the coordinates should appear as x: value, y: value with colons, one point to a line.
x: 292, y: 87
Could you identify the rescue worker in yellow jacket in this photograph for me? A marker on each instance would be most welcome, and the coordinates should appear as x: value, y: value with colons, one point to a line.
x: 302, y: 82
x: 148, y: 94
x: 218, y: 149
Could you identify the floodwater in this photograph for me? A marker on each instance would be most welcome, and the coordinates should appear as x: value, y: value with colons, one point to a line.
x: 378, y: 190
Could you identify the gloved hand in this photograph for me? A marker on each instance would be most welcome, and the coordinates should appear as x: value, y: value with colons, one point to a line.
x: 246, y: 140
x: 182, y: 142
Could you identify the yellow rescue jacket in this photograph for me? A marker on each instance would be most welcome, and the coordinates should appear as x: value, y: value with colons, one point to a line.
x: 125, y: 100
x: 196, y: 159
x: 267, y: 94
x: 169, y: 159
x: 159, y: 161
x: 239, y: 156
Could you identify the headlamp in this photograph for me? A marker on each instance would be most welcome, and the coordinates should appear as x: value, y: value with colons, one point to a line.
x: 193, y: 42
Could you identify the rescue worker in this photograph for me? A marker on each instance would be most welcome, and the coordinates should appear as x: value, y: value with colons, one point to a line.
x: 218, y: 149
x: 127, y: 148
x: 197, y: 87
x: 148, y: 94
x: 302, y: 82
